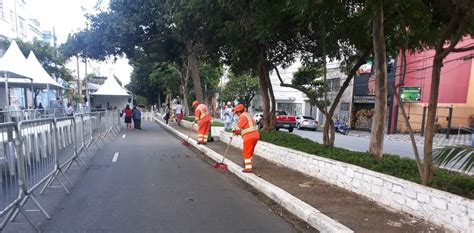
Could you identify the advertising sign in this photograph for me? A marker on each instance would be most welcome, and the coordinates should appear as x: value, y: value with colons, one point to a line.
x: 410, y: 94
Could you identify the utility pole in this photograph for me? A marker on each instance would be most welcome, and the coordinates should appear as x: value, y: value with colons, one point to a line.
x: 78, y: 80
x: 87, y: 86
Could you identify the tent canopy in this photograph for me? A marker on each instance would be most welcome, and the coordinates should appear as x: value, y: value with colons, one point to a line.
x: 111, y: 88
x: 13, y: 64
x: 40, y: 76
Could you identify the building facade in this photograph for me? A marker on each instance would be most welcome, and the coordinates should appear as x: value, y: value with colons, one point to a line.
x: 297, y: 103
x: 456, y: 90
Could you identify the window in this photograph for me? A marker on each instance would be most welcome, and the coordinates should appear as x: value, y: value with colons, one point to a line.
x: 345, y: 106
x: 22, y: 26
x: 334, y: 84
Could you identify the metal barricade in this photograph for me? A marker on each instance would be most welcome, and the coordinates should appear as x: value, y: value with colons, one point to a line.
x: 37, y: 159
x: 147, y: 116
x: 82, y: 122
x: 66, y: 151
x: 97, y: 120
x: 11, y: 184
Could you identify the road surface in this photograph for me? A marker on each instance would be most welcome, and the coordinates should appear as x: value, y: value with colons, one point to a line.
x: 146, y: 181
x: 403, y: 149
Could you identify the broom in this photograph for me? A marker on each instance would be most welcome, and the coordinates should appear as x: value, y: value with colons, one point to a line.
x: 222, y: 165
x: 186, y: 143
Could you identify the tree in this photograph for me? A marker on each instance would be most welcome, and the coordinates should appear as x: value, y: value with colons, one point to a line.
x: 308, y: 80
x: 378, y: 122
x: 346, y: 37
x: 256, y: 36
x: 450, y: 21
x: 242, y: 88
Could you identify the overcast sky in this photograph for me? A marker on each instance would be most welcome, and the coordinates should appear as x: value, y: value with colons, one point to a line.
x: 67, y: 16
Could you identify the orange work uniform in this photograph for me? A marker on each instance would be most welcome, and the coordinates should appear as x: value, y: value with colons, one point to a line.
x: 203, y: 118
x: 249, y: 131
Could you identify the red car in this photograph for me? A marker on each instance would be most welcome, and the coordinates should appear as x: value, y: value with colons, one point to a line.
x: 283, y: 120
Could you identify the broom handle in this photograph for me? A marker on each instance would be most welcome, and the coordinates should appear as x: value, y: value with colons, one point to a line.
x: 226, y: 149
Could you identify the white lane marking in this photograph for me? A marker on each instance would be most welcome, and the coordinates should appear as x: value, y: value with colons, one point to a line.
x: 123, y: 136
x: 114, y: 159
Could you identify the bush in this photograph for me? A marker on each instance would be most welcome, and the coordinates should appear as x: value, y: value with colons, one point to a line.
x: 393, y: 165
x: 214, y: 123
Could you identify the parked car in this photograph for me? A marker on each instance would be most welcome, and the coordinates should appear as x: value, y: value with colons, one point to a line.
x: 306, y: 122
x: 282, y: 120
x: 257, y: 117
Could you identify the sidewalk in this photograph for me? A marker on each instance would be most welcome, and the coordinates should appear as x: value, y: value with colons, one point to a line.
x: 439, y: 140
x: 353, y: 211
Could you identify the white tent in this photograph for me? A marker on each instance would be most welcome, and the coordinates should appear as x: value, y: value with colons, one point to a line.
x: 40, y: 76
x: 110, y: 94
x: 14, y: 69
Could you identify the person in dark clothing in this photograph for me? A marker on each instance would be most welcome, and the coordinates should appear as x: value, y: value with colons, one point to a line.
x: 167, y: 113
x: 137, y: 118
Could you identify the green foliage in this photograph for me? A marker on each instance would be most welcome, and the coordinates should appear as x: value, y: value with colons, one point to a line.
x: 461, y: 157
x: 213, y: 123
x: 241, y: 87
x: 390, y: 164
x: 210, y: 76
x: 140, y: 100
x: 308, y: 79
x: 52, y: 60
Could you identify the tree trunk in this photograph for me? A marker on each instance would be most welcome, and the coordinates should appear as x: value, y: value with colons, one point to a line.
x: 410, y: 131
x: 430, y: 120
x: 262, y: 76
x: 328, y: 130
x: 194, y: 71
x: 272, y: 101
x: 378, y: 120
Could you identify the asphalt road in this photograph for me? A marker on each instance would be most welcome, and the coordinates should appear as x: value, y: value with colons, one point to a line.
x: 403, y: 149
x: 158, y: 185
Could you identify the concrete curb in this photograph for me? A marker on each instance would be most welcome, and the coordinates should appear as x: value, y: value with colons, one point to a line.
x: 296, y: 206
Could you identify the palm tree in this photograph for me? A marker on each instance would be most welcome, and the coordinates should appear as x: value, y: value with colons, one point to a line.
x: 458, y: 157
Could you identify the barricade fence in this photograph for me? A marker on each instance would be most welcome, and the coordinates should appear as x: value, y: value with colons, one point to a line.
x: 38, y: 152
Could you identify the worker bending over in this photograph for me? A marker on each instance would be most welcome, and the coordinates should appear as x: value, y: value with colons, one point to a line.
x: 203, y: 119
x: 246, y: 127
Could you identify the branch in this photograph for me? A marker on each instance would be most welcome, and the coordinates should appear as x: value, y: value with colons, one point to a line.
x: 304, y: 90
x: 278, y: 74
x: 351, y: 74
x: 463, y: 49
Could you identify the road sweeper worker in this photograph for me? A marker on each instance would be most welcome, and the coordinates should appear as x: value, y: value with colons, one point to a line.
x: 203, y: 119
x: 247, y: 127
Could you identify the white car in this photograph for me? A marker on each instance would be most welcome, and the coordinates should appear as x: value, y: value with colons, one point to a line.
x: 306, y: 122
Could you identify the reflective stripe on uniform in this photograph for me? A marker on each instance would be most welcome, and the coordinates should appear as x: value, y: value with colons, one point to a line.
x: 203, y: 112
x: 252, y: 127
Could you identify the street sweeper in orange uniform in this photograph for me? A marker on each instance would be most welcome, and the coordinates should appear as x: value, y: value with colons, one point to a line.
x: 247, y: 127
x: 203, y: 119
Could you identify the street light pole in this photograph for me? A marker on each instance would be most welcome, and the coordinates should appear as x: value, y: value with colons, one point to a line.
x: 78, y: 79
x: 87, y: 86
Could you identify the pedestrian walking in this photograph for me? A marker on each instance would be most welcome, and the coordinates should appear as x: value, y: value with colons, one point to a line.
x: 69, y: 110
x: 179, y: 113
x: 167, y: 113
x: 127, y: 112
x: 203, y: 119
x: 228, y: 116
x: 137, y: 118
x: 247, y: 127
